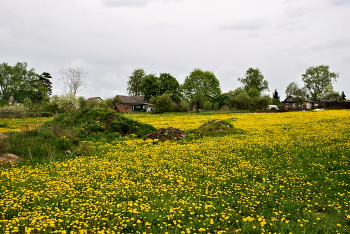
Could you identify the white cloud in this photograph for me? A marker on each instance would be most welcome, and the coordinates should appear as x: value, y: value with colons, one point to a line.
x: 120, y: 3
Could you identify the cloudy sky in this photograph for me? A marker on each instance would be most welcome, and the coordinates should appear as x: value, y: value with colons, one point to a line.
x: 111, y: 38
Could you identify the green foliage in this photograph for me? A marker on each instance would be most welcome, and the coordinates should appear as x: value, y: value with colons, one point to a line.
x: 149, y: 86
x: 45, y: 79
x: 168, y: 84
x: 342, y: 96
x: 134, y: 82
x: 329, y: 94
x: 202, y: 83
x: 275, y: 98
x: 239, y: 99
x: 13, y: 110
x: 316, y: 79
x: 262, y: 103
x: 163, y: 104
x: 68, y: 102
x: 213, y: 128
x: 18, y: 83
x: 65, y: 133
x: 91, y: 121
x: 254, y: 80
x: 207, y: 105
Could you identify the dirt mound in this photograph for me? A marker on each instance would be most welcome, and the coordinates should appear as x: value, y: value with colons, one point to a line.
x: 8, y: 158
x: 170, y: 134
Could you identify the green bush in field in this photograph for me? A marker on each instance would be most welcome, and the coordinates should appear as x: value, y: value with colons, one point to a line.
x: 61, y: 136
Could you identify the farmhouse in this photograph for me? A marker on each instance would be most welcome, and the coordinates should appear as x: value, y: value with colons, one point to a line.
x: 296, y: 102
x: 134, y: 103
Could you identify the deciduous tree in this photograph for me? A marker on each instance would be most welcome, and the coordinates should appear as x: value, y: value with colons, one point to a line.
x: 254, y: 79
x: 135, y: 79
x: 149, y: 86
x: 203, y: 82
x: 316, y: 79
x: 18, y: 83
x: 73, y: 78
x: 168, y: 84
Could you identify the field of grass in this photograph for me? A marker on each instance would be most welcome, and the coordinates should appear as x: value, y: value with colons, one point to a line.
x: 283, y: 173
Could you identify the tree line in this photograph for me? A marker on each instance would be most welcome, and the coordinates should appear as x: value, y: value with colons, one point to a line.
x: 200, y: 90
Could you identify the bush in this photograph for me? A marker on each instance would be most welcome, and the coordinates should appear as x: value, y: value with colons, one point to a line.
x: 163, y: 104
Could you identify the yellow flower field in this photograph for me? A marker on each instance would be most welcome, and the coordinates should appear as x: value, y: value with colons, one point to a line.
x: 285, y: 173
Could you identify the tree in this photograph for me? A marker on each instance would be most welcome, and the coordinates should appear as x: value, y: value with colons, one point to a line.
x: 261, y: 102
x: 18, y: 83
x: 275, y: 98
x: 134, y: 82
x: 254, y: 79
x: 68, y: 102
x: 202, y: 83
x: 316, y: 79
x: 149, y: 86
x: 73, y: 78
x: 239, y: 99
x: 168, y: 84
x: 162, y: 103
x: 342, y: 96
x: 329, y: 94
x: 45, y: 78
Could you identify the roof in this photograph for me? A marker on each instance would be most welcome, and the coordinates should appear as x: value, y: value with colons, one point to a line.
x: 123, y: 108
x: 291, y: 99
x: 94, y: 98
x: 132, y: 100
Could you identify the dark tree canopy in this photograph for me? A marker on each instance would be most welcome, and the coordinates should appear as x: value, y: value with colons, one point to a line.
x: 168, y: 84
x: 202, y: 83
x: 135, y: 79
x: 149, y: 86
x: 275, y: 97
x: 316, y: 79
x: 254, y: 79
x: 45, y: 78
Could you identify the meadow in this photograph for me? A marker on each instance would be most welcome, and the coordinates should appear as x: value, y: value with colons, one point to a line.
x: 283, y: 173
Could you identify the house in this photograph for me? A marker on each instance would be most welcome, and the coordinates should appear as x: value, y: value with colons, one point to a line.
x: 136, y: 103
x: 293, y: 103
x: 97, y: 99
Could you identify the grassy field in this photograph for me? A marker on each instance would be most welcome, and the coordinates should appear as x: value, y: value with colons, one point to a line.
x: 283, y: 173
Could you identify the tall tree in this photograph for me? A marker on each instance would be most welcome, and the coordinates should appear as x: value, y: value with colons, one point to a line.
x: 45, y: 78
x: 275, y: 98
x: 342, y: 96
x: 254, y: 79
x: 292, y: 89
x: 168, y: 84
x: 316, y: 79
x: 18, y: 83
x: 134, y: 82
x: 73, y: 78
x: 203, y: 83
x: 149, y: 86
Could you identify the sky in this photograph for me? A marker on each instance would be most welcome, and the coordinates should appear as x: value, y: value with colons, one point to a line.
x: 111, y: 38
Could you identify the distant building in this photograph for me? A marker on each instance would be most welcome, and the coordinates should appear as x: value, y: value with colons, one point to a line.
x: 136, y: 103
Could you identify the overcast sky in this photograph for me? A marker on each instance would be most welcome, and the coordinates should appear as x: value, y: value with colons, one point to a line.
x: 111, y: 38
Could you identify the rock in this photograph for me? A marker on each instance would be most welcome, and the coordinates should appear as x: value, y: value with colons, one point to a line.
x: 9, y: 158
x: 3, y: 136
